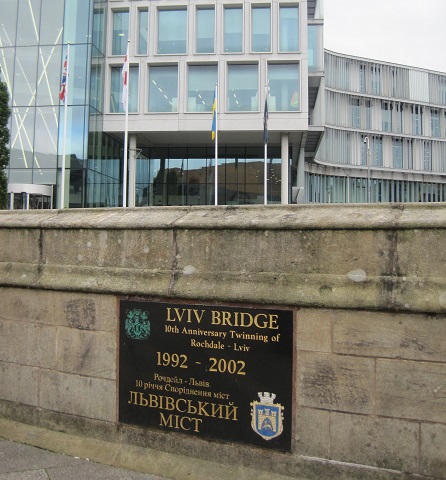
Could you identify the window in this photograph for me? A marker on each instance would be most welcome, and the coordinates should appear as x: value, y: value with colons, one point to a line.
x: 427, y: 156
x: 283, y: 79
x: 386, y: 117
x: 375, y: 74
x: 163, y: 88
x: 397, y: 152
x: 288, y: 29
x: 397, y: 116
x: 205, y: 30
x: 143, y: 31
x: 435, y: 122
x: 172, y: 31
x: 314, y: 63
x: 120, y: 32
x: 417, y: 120
x: 362, y: 79
x: 364, y: 150
x: 356, y: 118
x: 368, y: 114
x: 243, y: 81
x: 377, y: 151
x: 233, y: 29
x: 116, y: 90
x: 443, y: 91
x: 261, y: 29
x: 201, y: 85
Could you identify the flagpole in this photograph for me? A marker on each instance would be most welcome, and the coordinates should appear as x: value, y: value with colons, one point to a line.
x: 64, y: 148
x: 216, y: 147
x: 265, y: 148
x: 126, y: 133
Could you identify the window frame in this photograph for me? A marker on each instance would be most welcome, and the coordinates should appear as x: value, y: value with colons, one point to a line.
x: 179, y: 8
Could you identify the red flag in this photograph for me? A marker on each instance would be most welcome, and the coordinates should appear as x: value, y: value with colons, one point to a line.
x: 125, y: 81
x: 63, y: 87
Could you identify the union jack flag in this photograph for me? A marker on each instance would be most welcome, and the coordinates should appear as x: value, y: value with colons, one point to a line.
x: 63, y: 87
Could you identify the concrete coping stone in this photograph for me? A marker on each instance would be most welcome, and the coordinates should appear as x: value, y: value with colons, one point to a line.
x: 252, y: 217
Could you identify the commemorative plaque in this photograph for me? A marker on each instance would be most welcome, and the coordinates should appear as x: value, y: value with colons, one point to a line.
x: 212, y: 371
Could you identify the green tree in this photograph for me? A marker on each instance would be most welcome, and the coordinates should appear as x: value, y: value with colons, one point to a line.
x: 5, y: 112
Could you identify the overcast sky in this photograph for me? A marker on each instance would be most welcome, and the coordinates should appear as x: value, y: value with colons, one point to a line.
x: 407, y: 32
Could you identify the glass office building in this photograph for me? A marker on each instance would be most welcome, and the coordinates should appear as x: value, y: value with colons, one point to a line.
x: 385, y: 134
x: 340, y: 128
x: 178, y: 54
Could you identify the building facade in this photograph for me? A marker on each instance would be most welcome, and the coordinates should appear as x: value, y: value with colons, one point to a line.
x: 385, y: 134
x: 178, y: 53
x: 340, y: 129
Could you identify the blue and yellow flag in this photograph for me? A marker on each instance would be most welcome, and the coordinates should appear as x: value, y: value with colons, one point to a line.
x: 214, y: 114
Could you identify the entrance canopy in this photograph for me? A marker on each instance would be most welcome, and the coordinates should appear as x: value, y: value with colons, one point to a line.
x: 29, y: 196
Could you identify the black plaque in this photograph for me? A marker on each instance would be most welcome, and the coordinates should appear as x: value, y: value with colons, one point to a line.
x: 213, y: 371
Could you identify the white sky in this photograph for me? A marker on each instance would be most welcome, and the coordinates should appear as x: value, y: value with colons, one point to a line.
x: 408, y: 32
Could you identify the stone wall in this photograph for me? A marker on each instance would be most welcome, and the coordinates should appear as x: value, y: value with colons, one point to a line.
x: 367, y: 285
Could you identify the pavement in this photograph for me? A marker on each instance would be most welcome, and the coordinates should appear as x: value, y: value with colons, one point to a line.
x: 33, y: 453
x: 25, y: 462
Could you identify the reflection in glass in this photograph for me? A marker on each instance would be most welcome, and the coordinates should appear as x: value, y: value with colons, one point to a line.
x: 284, y: 87
x: 116, y: 90
x: 233, y: 29
x: 313, y: 47
x: 22, y: 138
x: 99, y: 28
x: 96, y: 86
x: 120, y: 32
x: 45, y: 143
x: 77, y: 78
x: 27, y: 22
x: 261, y: 29
x: 163, y: 89
x: 172, y: 31
x: 201, y: 86
x: 8, y: 23
x: 288, y: 29
x: 243, y: 88
x: 205, y: 30
x: 76, y: 21
x: 51, y: 22
x: 18, y: 175
x: 7, y: 69
x: 174, y: 179
x: 76, y: 134
x: 25, y: 76
x: 143, y: 31
x: 48, y: 79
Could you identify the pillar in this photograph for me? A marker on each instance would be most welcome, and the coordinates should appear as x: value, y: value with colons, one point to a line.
x: 285, y: 156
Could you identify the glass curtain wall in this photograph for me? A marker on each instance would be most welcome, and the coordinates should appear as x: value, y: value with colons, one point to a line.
x: 30, y: 59
x: 185, y: 176
x: 33, y: 44
x: 334, y: 189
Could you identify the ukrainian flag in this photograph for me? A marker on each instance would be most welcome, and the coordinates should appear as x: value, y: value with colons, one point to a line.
x: 214, y: 114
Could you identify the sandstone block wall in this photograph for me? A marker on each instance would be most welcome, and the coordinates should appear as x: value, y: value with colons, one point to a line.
x: 368, y: 290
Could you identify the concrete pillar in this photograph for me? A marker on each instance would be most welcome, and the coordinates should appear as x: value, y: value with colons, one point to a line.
x: 300, y: 182
x: 132, y: 170
x: 284, y: 193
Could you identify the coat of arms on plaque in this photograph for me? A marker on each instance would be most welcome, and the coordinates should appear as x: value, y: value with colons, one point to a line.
x: 266, y: 416
x: 137, y: 324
